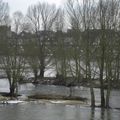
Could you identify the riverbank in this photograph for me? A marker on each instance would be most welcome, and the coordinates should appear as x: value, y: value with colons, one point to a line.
x: 4, y: 97
x: 57, y: 97
x: 51, y: 99
x: 29, y: 89
x: 68, y: 82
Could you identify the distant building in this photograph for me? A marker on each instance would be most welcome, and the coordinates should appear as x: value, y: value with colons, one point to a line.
x: 5, y: 31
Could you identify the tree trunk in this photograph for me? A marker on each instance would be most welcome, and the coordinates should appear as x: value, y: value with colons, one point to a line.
x: 101, y: 78
x: 70, y: 94
x: 102, y: 92
x: 35, y: 76
x: 108, y: 97
x: 42, y: 66
x: 12, y: 90
x: 108, y: 92
x: 41, y: 72
x: 92, y: 97
x: 88, y: 70
x: 91, y: 89
x: 118, y: 73
x: 91, y: 86
x: 109, y: 76
x: 102, y: 89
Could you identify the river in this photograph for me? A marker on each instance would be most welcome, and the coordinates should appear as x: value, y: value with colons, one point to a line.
x: 47, y: 110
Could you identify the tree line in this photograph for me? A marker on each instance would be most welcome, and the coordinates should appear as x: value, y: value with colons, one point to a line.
x: 88, y: 50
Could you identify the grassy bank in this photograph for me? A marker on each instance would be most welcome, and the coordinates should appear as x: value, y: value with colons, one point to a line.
x: 57, y: 97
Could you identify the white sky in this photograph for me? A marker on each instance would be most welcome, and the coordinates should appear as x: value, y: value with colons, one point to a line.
x: 22, y: 5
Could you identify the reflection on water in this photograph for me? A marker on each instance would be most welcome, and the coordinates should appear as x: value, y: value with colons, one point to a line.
x: 76, y: 91
x: 92, y: 116
x: 102, y: 113
x: 47, y: 111
x: 108, y: 115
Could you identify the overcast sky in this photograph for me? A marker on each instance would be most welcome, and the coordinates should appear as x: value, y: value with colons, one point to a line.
x: 22, y: 5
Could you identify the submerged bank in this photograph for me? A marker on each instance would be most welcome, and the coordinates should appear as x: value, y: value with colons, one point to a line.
x: 29, y: 89
x: 70, y: 81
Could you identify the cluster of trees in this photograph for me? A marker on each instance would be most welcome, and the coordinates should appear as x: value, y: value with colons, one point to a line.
x: 89, y: 50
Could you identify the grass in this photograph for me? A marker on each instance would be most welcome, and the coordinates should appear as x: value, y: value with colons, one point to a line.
x: 56, y: 97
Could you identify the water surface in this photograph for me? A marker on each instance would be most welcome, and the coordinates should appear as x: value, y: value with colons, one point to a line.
x: 49, y: 111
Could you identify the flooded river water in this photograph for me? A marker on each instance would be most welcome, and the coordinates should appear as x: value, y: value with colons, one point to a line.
x: 42, y: 110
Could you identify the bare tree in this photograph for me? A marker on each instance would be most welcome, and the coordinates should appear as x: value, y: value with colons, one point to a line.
x: 88, y: 12
x: 12, y: 62
x: 42, y: 17
x: 107, y: 23
x: 74, y: 15
x: 58, y: 49
x: 80, y: 17
x: 31, y: 53
x: 112, y: 23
